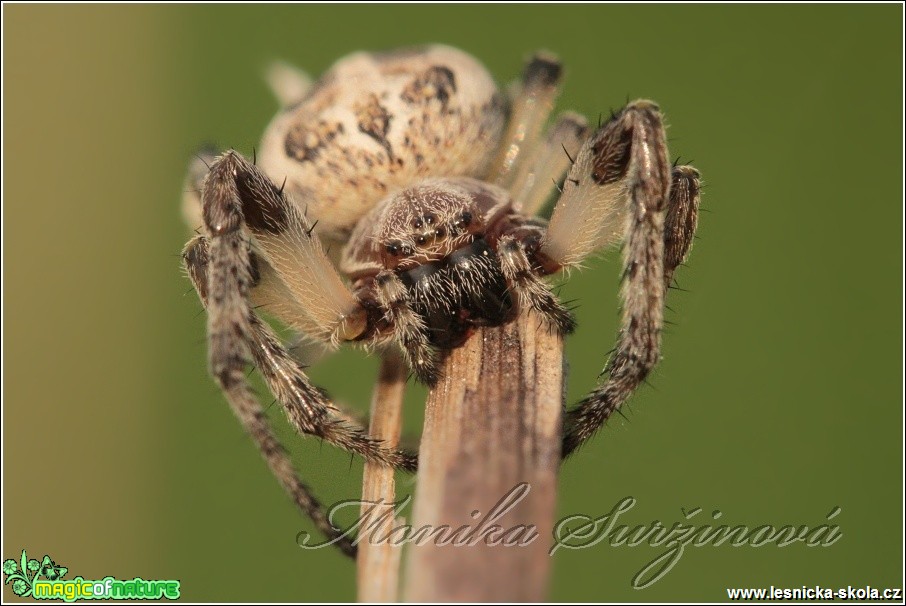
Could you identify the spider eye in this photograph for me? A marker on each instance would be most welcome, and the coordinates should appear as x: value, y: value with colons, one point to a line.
x: 394, y: 248
x: 430, y: 219
x: 417, y: 224
x: 420, y: 240
x: 464, y: 219
x: 440, y: 232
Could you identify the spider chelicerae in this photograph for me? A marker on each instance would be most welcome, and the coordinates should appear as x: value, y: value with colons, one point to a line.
x: 426, y: 180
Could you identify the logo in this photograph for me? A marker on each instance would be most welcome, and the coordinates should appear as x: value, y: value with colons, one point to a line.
x: 43, y: 580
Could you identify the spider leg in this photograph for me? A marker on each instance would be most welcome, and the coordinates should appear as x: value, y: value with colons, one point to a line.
x: 271, y: 297
x: 229, y: 367
x: 409, y: 328
x: 285, y: 239
x: 198, y: 169
x: 616, y: 187
x: 682, y: 218
x: 619, y: 187
x: 267, y: 292
x: 237, y: 195
x: 532, y: 103
x: 680, y: 223
x: 549, y: 161
x: 222, y: 271
x: 288, y: 83
x: 307, y: 407
x: 524, y: 281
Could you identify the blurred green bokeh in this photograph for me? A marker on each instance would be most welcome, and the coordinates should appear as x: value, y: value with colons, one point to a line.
x: 779, y: 396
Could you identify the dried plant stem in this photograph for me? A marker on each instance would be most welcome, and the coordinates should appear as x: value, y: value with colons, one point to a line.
x: 492, y: 423
x: 379, y: 563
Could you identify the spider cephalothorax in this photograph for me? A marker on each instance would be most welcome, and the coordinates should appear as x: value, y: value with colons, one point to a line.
x: 429, y: 178
x: 434, y: 248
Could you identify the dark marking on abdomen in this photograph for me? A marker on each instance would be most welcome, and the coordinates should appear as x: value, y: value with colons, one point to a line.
x: 305, y: 141
x: 437, y: 82
x: 374, y: 120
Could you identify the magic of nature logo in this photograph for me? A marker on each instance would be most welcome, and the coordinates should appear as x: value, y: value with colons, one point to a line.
x: 44, y: 580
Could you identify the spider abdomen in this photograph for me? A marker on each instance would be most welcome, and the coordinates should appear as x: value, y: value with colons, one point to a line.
x: 377, y: 122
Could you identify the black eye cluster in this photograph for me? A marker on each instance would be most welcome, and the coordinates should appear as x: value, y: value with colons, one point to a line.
x: 396, y: 248
x: 464, y: 220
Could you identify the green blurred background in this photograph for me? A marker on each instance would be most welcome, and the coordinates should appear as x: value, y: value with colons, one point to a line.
x: 779, y: 396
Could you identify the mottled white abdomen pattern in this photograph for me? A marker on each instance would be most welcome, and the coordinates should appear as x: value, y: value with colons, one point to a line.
x: 378, y: 122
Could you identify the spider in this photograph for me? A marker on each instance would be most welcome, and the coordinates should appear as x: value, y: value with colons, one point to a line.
x: 426, y: 179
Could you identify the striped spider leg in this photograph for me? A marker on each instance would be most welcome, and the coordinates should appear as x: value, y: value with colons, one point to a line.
x: 289, y: 266
x: 621, y: 189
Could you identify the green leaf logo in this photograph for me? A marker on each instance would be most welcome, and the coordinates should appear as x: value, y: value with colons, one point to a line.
x: 51, y: 571
x: 22, y: 575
